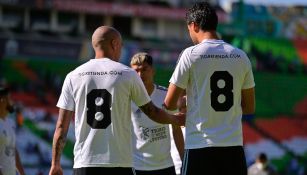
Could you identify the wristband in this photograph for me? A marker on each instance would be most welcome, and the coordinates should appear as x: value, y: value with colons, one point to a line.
x: 248, y: 117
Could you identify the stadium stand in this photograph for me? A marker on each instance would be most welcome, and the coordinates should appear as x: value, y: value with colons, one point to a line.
x: 301, y: 110
x: 287, y: 134
x: 256, y: 143
x: 300, y: 45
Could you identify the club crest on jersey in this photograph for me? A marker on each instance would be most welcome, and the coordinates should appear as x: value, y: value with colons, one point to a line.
x: 145, y: 133
x: 154, y: 134
x: 9, y: 151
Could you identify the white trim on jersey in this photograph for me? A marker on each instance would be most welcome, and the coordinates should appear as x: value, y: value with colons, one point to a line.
x: 100, y: 92
x: 213, y: 74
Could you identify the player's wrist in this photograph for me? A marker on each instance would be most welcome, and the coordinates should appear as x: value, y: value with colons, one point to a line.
x: 169, y: 111
x: 248, y: 117
x: 55, y: 163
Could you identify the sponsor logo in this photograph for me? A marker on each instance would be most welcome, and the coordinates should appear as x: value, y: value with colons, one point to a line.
x: 154, y: 134
x: 220, y: 56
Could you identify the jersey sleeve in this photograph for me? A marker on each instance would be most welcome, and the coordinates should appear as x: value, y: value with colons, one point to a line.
x: 180, y: 76
x: 139, y: 94
x: 249, y: 77
x: 66, y: 100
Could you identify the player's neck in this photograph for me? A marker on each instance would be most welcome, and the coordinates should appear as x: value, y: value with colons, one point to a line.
x: 101, y: 54
x: 207, y: 35
x: 150, y: 88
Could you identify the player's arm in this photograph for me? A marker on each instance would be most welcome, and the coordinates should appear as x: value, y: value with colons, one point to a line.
x: 177, y: 131
x: 19, y: 166
x: 178, y: 139
x: 158, y: 115
x: 248, y: 101
x: 172, y: 96
x: 59, y: 140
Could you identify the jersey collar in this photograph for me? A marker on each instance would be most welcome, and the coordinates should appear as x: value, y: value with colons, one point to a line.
x: 101, y: 59
x: 215, y: 41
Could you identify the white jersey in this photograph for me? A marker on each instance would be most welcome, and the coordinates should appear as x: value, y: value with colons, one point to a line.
x: 213, y: 74
x: 256, y: 169
x: 100, y: 92
x: 7, y: 147
x: 151, y: 140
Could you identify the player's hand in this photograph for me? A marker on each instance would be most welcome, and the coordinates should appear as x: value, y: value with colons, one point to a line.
x: 180, y: 119
x: 55, y: 170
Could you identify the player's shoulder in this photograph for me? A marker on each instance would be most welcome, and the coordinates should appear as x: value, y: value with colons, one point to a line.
x: 185, y: 53
x: 125, y: 67
x: 189, y: 50
x: 238, y: 50
x: 108, y: 65
x: 118, y: 65
x: 79, y: 67
x: 234, y: 49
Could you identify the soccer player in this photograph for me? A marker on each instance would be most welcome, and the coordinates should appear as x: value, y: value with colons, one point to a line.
x: 219, y: 84
x: 9, y: 157
x: 99, y: 94
x: 152, y: 140
x: 261, y: 166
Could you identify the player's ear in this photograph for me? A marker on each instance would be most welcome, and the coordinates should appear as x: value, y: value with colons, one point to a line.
x: 195, y: 27
x: 113, y: 44
x: 116, y: 44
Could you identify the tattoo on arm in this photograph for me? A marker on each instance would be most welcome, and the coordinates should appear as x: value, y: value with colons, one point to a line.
x: 60, y: 134
x: 58, y: 145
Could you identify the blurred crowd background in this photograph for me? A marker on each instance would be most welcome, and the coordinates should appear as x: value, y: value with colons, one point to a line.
x: 42, y: 40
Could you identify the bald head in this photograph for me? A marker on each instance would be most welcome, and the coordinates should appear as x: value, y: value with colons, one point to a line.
x: 107, y: 42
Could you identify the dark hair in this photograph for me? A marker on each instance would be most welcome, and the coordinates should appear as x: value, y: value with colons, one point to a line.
x: 262, y: 157
x: 203, y: 15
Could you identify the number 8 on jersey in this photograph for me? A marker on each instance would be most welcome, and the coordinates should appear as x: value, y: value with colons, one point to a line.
x: 98, y: 108
x: 217, y: 90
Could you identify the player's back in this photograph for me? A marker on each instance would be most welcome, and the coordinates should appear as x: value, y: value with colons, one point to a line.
x: 217, y: 75
x: 102, y: 90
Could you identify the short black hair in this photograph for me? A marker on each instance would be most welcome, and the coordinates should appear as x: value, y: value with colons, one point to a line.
x: 204, y: 15
x: 262, y: 157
